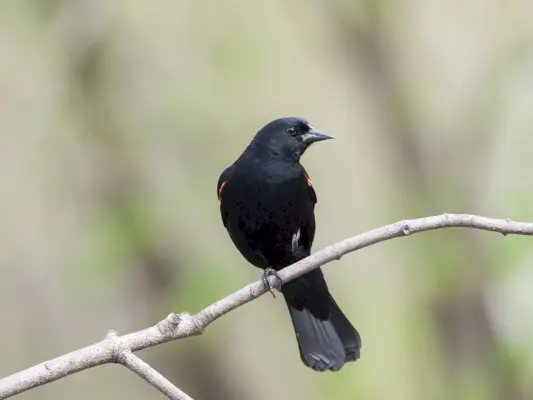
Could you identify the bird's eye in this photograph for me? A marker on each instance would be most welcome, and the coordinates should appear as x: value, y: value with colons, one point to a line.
x: 291, y: 131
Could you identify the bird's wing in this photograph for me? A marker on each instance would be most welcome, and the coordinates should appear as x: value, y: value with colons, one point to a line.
x: 307, y: 230
x: 312, y: 192
x: 222, y: 182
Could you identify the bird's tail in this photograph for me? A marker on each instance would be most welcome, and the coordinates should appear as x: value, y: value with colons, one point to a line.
x: 326, y: 338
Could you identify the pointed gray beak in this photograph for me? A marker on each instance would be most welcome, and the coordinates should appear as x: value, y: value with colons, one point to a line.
x: 315, y: 136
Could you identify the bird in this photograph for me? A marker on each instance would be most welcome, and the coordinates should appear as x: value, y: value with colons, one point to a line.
x: 267, y: 203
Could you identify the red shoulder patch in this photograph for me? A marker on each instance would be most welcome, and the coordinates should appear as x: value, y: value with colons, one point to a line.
x: 309, y: 183
x: 220, y: 189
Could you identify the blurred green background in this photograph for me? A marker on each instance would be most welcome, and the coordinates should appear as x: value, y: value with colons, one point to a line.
x: 118, y: 116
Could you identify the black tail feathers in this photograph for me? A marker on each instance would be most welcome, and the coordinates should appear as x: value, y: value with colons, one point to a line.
x: 349, y: 336
x: 325, y: 344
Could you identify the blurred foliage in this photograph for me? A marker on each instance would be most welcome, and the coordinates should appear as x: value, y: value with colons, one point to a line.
x: 117, y: 118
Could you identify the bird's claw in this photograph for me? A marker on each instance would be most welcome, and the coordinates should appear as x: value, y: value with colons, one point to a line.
x: 264, y: 277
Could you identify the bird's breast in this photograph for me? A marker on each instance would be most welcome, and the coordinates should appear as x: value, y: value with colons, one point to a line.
x: 267, y: 198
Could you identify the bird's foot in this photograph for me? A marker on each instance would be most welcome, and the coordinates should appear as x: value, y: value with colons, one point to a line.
x: 264, y: 277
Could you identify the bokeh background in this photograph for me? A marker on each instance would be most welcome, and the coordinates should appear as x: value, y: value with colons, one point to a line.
x: 116, y: 118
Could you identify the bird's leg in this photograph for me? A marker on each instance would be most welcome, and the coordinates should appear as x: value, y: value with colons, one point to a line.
x: 264, y: 277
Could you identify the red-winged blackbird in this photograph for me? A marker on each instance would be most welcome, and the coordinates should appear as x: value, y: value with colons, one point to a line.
x: 267, y: 204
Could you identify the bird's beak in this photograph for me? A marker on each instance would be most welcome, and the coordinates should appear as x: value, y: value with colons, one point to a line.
x: 315, y: 136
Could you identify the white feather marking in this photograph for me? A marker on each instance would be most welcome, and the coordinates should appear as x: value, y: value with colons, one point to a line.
x: 295, y: 241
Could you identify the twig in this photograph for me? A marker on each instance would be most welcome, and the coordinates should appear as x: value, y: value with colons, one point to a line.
x: 125, y: 357
x: 183, y: 325
x: 153, y: 377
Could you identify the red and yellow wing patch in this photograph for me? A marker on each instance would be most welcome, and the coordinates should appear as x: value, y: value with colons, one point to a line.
x: 220, y: 190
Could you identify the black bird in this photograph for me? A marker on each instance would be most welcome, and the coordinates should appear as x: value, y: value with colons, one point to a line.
x: 267, y: 205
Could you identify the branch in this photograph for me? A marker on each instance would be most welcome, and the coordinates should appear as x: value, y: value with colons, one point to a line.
x: 183, y: 325
x: 125, y: 357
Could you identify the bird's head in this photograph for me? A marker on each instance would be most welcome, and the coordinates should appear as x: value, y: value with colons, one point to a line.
x: 288, y: 137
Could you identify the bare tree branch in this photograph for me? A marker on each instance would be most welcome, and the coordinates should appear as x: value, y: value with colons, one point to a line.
x: 183, y: 325
x: 125, y: 357
x: 150, y: 375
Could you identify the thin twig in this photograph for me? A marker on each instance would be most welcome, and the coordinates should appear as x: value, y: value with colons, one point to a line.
x: 125, y: 357
x: 150, y: 375
x: 183, y: 325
